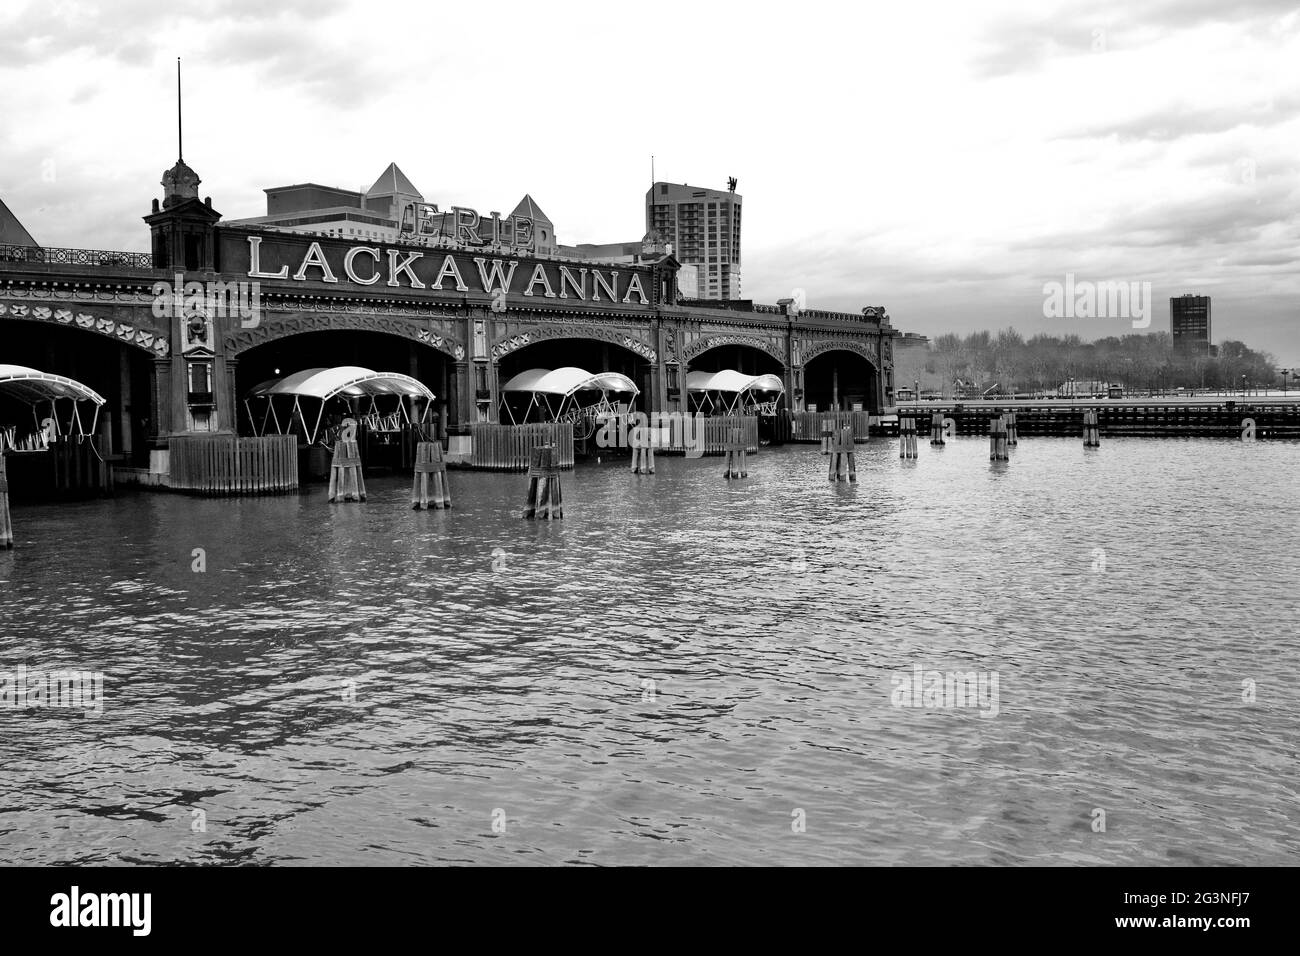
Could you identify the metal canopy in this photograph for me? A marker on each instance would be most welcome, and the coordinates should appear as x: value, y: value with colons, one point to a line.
x: 347, y: 381
x: 565, y: 381
x: 31, y: 386
x: 730, y: 380
x: 351, y: 381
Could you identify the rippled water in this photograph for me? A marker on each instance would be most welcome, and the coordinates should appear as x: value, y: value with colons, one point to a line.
x: 683, y: 670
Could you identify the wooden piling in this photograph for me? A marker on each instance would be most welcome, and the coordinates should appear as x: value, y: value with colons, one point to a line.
x: 346, y: 481
x: 6, y: 526
x: 1013, y: 435
x: 735, y: 449
x: 998, y: 438
x: 1091, y: 433
x: 643, y: 453
x: 545, y: 498
x: 430, y: 486
x: 828, y: 435
x: 936, y: 429
x: 907, y: 437
x: 843, y: 462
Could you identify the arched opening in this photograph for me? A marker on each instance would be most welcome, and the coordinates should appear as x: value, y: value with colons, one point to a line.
x: 592, y: 355
x: 741, y: 358
x: 750, y: 361
x: 121, y: 373
x: 840, y: 380
x: 389, y: 445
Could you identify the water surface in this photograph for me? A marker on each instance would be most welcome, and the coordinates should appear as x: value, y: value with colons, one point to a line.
x: 683, y: 670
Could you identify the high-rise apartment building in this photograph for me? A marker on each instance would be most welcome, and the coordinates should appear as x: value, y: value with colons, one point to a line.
x: 703, y: 226
x: 1189, y: 322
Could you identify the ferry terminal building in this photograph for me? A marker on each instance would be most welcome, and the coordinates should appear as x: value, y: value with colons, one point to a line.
x: 463, y: 318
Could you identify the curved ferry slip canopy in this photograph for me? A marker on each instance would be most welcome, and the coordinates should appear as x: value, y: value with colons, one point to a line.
x: 322, y: 384
x: 350, y: 380
x: 31, y: 386
x: 565, y: 381
x: 730, y: 380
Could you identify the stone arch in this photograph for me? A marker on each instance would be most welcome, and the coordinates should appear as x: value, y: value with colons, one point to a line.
x: 838, y: 372
x: 238, y: 341
x: 813, y: 349
x: 512, y: 341
x: 708, y: 342
x: 146, y: 338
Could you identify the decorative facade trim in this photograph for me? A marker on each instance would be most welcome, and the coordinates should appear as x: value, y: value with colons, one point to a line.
x: 516, y: 340
x: 241, y: 340
x: 815, y: 347
x: 152, y: 341
x: 706, y: 342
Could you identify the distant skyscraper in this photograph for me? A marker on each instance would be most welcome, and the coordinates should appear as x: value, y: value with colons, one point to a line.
x: 1189, y: 322
x: 703, y: 226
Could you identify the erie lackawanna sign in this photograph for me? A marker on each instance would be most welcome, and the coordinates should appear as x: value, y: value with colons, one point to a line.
x: 290, y: 258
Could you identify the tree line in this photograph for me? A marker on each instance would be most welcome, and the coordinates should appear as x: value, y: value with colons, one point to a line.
x: 1147, y: 362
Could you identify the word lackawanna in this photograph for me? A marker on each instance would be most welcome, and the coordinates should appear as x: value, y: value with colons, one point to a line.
x: 273, y: 258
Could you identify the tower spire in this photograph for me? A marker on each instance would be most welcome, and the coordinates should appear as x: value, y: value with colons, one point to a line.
x: 180, y: 139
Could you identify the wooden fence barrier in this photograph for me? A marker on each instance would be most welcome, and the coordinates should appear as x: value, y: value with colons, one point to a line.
x: 226, y: 465
x: 812, y: 426
x: 509, y: 447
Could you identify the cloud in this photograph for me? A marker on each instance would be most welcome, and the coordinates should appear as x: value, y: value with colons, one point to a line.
x: 1020, y: 42
x: 943, y: 167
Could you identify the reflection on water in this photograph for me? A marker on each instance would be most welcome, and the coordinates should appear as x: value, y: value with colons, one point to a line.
x: 676, y: 669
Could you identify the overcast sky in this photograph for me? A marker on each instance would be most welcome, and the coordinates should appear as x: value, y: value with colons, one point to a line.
x: 942, y: 160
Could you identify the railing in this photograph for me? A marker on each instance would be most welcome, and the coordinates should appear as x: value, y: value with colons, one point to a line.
x: 871, y: 314
x: 508, y: 447
x: 226, y: 465
x: 76, y: 257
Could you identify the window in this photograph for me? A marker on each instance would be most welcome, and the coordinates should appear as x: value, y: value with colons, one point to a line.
x: 193, y: 252
x: 200, y: 377
x: 200, y: 382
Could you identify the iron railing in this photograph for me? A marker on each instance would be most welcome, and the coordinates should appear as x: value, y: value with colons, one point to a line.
x: 76, y: 257
x: 872, y: 315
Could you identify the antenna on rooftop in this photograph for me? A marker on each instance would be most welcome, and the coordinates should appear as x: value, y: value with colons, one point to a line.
x: 180, y: 149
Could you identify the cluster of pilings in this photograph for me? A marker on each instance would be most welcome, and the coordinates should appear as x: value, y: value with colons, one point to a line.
x: 6, y: 527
